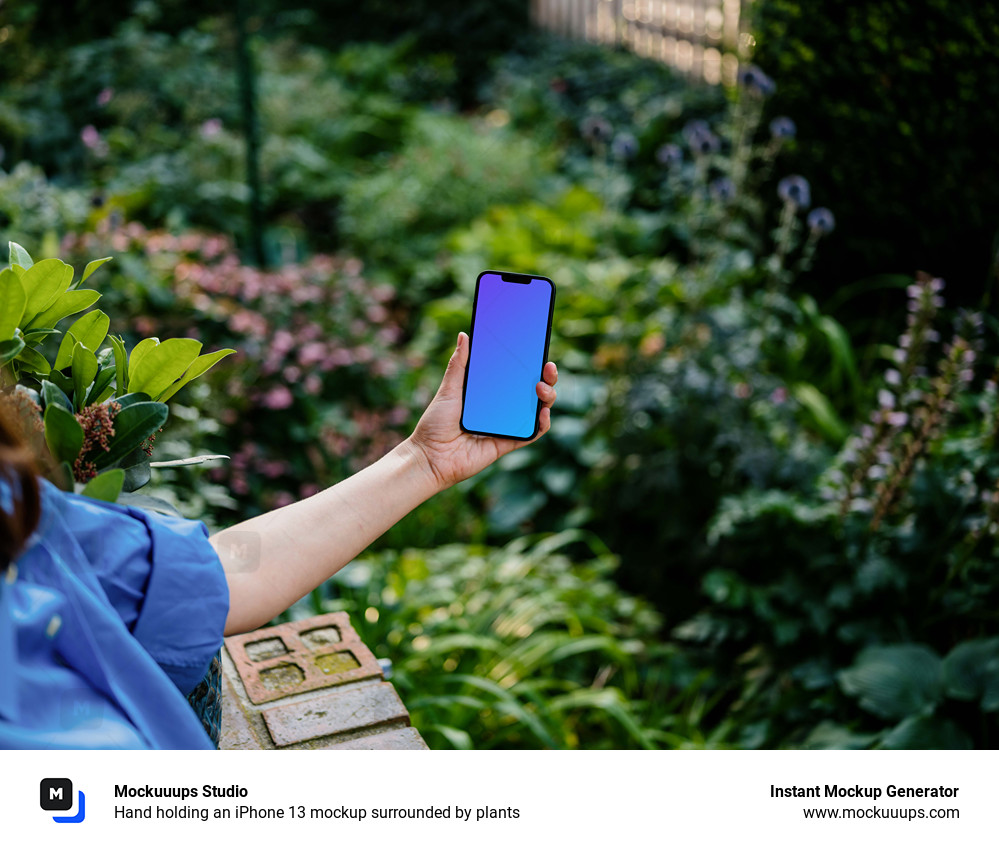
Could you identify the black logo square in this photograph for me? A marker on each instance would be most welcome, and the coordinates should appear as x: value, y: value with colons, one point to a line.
x: 56, y: 795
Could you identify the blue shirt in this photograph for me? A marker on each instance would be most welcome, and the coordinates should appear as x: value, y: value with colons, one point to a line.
x: 107, y: 619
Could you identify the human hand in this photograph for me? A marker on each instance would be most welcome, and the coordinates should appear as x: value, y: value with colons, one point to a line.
x: 452, y: 455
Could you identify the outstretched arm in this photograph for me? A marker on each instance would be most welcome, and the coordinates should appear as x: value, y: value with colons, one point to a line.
x: 296, y: 548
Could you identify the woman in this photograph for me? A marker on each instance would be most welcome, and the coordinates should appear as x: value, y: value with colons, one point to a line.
x: 109, y: 615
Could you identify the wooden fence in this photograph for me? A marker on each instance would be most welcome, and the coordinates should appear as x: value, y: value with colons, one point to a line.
x: 697, y: 37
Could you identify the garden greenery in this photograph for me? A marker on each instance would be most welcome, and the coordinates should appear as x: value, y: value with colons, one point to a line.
x: 742, y: 530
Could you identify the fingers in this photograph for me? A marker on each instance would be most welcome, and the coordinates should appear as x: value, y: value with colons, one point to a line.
x: 546, y: 393
x: 550, y: 374
x: 454, y: 375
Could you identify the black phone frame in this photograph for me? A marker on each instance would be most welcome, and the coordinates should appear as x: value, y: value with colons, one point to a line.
x: 509, y: 277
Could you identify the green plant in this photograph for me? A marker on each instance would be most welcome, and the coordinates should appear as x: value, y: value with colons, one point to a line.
x: 96, y: 408
x: 519, y: 646
x: 894, y: 100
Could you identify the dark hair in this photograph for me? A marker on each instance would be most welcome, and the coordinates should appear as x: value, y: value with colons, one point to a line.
x: 18, y: 472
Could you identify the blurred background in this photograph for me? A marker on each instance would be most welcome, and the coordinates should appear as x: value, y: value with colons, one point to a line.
x: 767, y: 512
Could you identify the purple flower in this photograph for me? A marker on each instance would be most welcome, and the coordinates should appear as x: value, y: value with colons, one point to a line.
x: 755, y: 81
x: 783, y: 127
x: 104, y: 96
x: 794, y: 190
x: 625, y: 146
x: 722, y: 189
x: 669, y: 155
x: 821, y: 221
x: 596, y: 129
x: 693, y: 130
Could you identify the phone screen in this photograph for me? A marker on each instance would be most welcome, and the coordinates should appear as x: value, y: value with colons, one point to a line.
x: 511, y: 322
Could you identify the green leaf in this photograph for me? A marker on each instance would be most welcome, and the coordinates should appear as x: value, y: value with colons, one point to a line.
x: 20, y: 256
x: 969, y: 667
x: 106, y: 487
x: 894, y: 681
x: 43, y: 283
x: 84, y: 372
x: 926, y: 733
x: 12, y: 301
x: 93, y: 266
x: 120, y: 364
x: 38, y: 335
x: 63, y: 434
x: 52, y: 395
x: 89, y: 330
x: 33, y: 362
x: 63, y: 382
x: 129, y: 399
x: 9, y: 349
x: 161, y: 365
x: 142, y: 348
x: 137, y: 475
x: 198, y: 368
x: 101, y: 383
x: 65, y: 353
x: 65, y: 305
x: 823, y: 414
x: 132, y: 426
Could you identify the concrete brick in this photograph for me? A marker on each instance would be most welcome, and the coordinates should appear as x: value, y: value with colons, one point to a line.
x: 302, y: 656
x: 335, y: 712
x: 406, y: 738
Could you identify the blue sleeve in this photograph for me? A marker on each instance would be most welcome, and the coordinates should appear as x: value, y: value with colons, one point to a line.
x: 162, y: 577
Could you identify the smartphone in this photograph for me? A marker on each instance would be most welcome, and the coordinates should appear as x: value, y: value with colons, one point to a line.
x: 508, y: 348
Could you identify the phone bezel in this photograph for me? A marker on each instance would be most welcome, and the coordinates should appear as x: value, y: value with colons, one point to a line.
x: 505, y: 276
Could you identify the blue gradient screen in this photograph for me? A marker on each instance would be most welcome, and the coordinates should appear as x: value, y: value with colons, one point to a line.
x: 509, y: 333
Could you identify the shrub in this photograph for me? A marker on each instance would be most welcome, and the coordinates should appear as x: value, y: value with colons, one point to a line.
x: 518, y: 647
x: 893, y: 103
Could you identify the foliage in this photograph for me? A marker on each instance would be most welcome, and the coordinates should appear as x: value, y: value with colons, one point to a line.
x: 94, y: 406
x: 895, y: 101
x: 519, y: 647
x: 838, y: 585
x: 448, y: 172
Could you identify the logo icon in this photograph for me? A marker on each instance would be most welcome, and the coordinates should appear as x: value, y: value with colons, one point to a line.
x: 56, y: 795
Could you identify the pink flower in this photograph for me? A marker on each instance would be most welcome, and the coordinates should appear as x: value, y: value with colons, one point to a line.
x: 90, y: 136
x: 104, y: 97
x: 278, y: 398
x: 313, y: 384
x: 210, y: 128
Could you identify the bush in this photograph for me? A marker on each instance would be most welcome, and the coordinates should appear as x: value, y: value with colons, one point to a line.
x: 894, y: 107
x: 518, y: 647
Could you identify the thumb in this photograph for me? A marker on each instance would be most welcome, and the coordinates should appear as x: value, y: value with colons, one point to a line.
x: 454, y: 375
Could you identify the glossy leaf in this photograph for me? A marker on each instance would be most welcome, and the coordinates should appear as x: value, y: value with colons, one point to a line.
x: 19, y: 256
x: 93, y: 266
x: 12, y: 301
x: 63, y: 434
x: 142, y: 348
x: 52, y: 395
x: 89, y: 330
x: 101, y: 383
x: 33, y: 362
x: 198, y: 368
x: 43, y: 283
x: 132, y: 426
x: 84, y: 372
x: 162, y: 365
x: 120, y: 364
x: 10, y: 348
x: 105, y: 487
x: 65, y: 305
